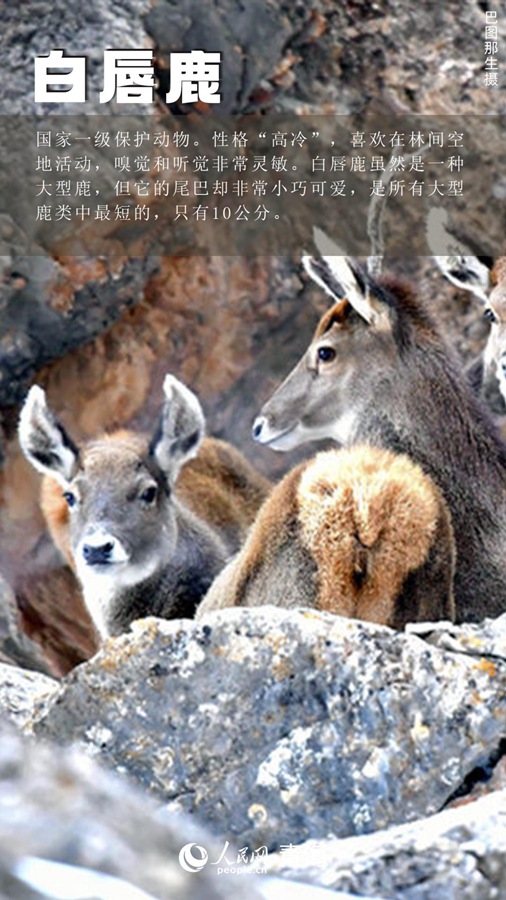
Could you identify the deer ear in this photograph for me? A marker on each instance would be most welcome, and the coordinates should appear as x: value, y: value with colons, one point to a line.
x: 318, y: 268
x: 180, y: 430
x: 458, y: 265
x: 341, y: 277
x: 44, y: 440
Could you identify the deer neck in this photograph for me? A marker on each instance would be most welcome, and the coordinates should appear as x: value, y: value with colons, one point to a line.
x: 174, y: 587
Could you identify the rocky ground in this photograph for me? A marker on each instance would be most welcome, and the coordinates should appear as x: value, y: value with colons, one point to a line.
x: 322, y: 750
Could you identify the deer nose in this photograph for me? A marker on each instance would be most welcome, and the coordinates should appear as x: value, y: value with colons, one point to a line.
x: 258, y: 425
x: 98, y: 555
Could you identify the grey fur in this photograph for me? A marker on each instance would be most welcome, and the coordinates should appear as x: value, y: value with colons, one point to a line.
x: 403, y: 389
x: 138, y: 550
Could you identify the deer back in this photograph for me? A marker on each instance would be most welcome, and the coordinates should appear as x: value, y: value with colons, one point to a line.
x: 361, y: 533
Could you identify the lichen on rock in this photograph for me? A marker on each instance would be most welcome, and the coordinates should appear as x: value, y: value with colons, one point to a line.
x: 329, y: 725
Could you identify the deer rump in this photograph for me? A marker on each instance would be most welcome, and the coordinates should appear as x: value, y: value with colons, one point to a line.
x: 361, y: 533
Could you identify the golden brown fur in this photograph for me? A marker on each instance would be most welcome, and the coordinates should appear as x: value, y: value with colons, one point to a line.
x: 360, y: 532
x: 498, y: 274
x: 369, y: 519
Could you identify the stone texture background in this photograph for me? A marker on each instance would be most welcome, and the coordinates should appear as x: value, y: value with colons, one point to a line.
x: 335, y: 731
x: 332, y: 725
x: 63, y: 807
x: 457, y: 853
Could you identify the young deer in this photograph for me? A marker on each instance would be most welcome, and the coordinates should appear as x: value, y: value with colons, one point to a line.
x: 146, y: 524
x: 378, y: 371
x: 360, y: 532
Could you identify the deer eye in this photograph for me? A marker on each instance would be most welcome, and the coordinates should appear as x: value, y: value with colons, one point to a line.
x: 326, y: 354
x: 148, y: 495
x: 490, y: 315
x: 70, y: 498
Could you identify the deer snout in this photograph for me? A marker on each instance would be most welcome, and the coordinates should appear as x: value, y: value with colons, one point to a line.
x: 95, y: 556
x: 101, y: 548
x: 258, y: 427
x: 277, y: 438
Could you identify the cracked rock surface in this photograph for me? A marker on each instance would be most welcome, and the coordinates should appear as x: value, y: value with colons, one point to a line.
x: 458, y: 853
x: 274, y: 727
x: 16, y: 648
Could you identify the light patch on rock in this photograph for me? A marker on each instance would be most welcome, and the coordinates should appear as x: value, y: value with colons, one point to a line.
x: 279, y: 766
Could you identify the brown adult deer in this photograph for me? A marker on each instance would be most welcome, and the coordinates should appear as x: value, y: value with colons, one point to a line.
x: 359, y: 532
x: 145, y: 523
x: 379, y: 371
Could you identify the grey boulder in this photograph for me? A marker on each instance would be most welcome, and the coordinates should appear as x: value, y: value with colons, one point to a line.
x: 273, y: 727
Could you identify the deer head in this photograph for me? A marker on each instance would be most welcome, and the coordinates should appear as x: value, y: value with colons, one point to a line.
x: 351, y: 348
x: 119, y: 488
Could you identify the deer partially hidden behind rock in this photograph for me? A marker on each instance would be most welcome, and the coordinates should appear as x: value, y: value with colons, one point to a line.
x: 359, y: 532
x: 378, y: 371
x: 485, y: 279
x: 145, y: 523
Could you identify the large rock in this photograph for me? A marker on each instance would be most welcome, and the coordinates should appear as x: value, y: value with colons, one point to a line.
x: 250, y: 38
x: 458, y: 853
x: 61, y: 807
x: 302, y: 57
x: 21, y: 42
x: 344, y: 59
x: 48, y: 309
x: 486, y: 639
x: 23, y: 694
x: 51, y: 303
x: 52, y: 610
x: 274, y: 726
